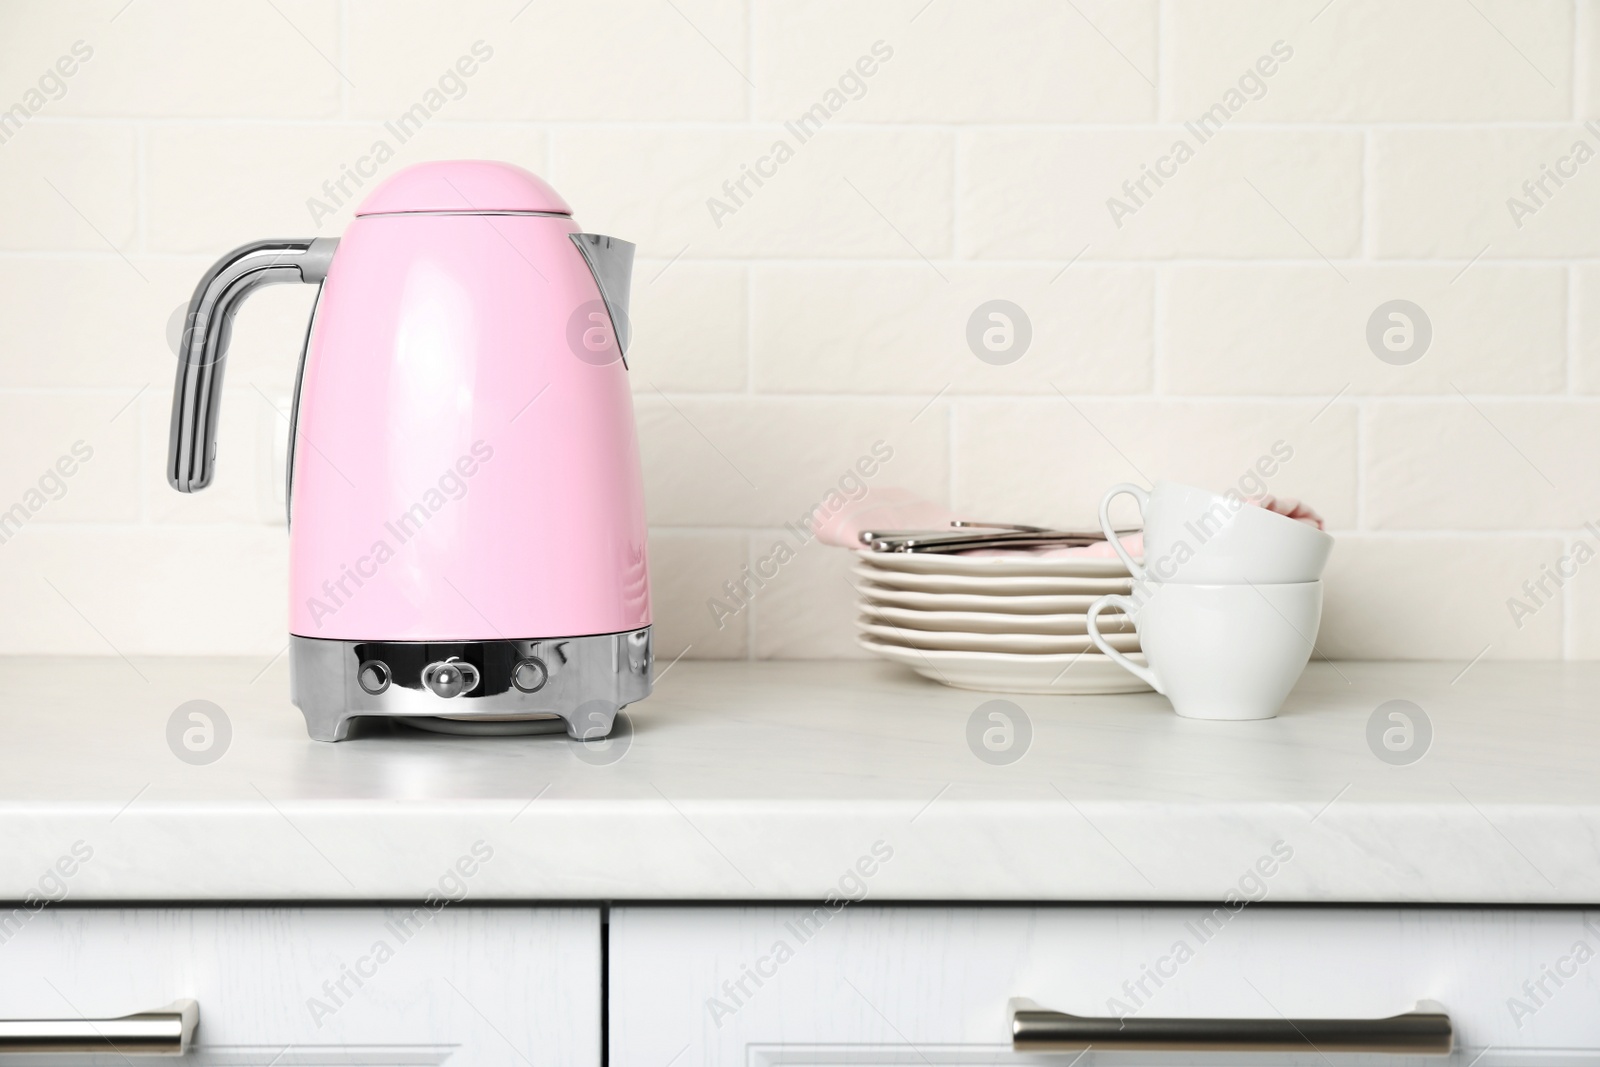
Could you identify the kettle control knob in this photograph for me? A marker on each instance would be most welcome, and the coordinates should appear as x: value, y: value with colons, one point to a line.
x: 529, y: 675
x: 450, y: 677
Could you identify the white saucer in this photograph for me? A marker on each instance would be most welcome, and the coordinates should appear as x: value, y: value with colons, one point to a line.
x: 1019, y: 644
x: 1000, y: 605
x: 1000, y: 672
x: 983, y: 622
x: 1011, y: 563
x: 992, y: 585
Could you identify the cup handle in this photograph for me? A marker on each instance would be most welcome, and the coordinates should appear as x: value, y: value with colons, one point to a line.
x: 1117, y: 600
x: 1138, y: 493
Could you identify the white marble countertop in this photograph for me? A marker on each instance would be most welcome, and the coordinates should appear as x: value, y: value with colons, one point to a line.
x: 750, y: 781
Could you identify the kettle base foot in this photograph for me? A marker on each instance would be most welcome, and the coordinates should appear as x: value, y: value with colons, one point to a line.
x: 325, y: 727
x: 477, y: 687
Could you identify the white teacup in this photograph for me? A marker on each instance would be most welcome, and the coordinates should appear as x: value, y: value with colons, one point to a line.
x: 1195, y: 535
x: 1218, y: 651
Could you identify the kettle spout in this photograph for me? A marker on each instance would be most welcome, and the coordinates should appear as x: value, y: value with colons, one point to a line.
x: 610, y: 260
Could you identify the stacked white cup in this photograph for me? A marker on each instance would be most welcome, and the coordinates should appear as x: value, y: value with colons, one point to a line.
x: 1227, y: 601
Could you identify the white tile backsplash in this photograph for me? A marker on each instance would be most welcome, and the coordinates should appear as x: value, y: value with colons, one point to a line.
x: 807, y: 610
x: 1049, y: 460
x: 750, y: 462
x: 1373, y: 61
x: 68, y: 457
x: 89, y: 321
x: 1440, y: 598
x: 880, y: 193
x: 598, y: 61
x: 690, y: 326
x: 687, y: 569
x: 144, y: 590
x: 903, y: 328
x: 993, y: 62
x: 1480, y: 463
x: 214, y: 186
x: 70, y: 187
x: 1192, y: 296
x: 179, y: 58
x: 1500, y: 192
x: 1239, y: 193
x: 1304, y: 330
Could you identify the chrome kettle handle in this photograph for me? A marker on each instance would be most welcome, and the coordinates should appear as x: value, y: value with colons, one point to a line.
x: 208, y: 327
x: 610, y: 260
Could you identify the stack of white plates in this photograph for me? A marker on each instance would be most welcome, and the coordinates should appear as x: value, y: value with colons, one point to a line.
x: 1010, y: 624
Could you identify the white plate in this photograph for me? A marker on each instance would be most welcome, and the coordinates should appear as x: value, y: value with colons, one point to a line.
x: 982, y: 622
x: 992, y: 585
x: 1020, y: 644
x: 999, y: 605
x: 1000, y: 672
x: 1022, y: 566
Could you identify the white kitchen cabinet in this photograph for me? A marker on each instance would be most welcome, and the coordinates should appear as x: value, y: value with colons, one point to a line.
x: 460, y: 985
x: 896, y: 985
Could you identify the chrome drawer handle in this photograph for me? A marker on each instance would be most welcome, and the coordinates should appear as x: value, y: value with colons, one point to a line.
x: 167, y: 1031
x: 1423, y: 1031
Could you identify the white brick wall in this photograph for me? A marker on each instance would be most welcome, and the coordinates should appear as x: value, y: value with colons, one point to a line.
x: 1368, y: 155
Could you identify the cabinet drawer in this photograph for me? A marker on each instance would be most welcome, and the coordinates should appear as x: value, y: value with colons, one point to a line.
x: 300, y: 986
x: 894, y: 985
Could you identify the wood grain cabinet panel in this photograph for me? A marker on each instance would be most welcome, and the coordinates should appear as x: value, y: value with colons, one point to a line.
x: 293, y: 987
x: 903, y: 985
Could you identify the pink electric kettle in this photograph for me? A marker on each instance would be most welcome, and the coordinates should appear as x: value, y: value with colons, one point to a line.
x: 466, y: 518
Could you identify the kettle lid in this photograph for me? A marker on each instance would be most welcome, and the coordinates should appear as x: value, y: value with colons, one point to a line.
x: 467, y: 186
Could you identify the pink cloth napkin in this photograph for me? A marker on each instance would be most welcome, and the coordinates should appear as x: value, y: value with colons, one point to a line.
x: 889, y: 508
x: 1294, y: 509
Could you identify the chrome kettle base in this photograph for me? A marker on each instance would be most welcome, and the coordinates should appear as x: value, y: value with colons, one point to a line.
x: 583, y: 681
